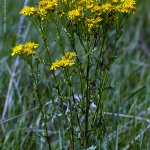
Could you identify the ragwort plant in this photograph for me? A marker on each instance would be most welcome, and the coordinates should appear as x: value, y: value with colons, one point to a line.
x: 79, y: 79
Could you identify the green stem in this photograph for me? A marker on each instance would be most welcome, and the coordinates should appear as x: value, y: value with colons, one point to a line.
x: 56, y: 83
x: 99, y: 57
x: 98, y: 103
x: 86, y: 132
x: 79, y: 68
x: 76, y: 110
x: 71, y: 116
x: 36, y: 82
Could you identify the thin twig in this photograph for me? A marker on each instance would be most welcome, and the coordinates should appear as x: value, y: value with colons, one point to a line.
x: 127, y: 116
x: 105, y: 113
x: 26, y: 112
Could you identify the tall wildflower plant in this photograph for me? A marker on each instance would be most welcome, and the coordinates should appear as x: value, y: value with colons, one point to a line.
x: 79, y: 77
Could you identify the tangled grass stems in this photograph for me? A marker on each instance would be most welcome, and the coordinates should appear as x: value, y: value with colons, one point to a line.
x: 38, y: 98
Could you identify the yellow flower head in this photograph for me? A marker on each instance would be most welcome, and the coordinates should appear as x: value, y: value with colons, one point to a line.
x: 56, y: 64
x: 101, y: 8
x: 47, y: 4
x: 41, y: 12
x: 27, y: 11
x: 106, y: 7
x: 70, y: 55
x: 114, y: 1
x: 17, y: 49
x: 126, y: 6
x: 90, y: 6
x: 73, y: 14
x: 96, y: 8
x: 65, y: 61
x: 26, y: 49
x: 89, y: 23
x: 31, y: 45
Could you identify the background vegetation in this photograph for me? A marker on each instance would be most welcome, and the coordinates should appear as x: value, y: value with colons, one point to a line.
x: 129, y: 94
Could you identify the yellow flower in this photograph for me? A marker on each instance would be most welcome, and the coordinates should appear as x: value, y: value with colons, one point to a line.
x: 26, y: 49
x: 114, y: 1
x: 106, y: 7
x: 47, y: 4
x: 16, y: 50
x: 97, y: 20
x: 126, y: 6
x: 27, y: 10
x: 85, y: 1
x: 65, y: 61
x: 89, y: 6
x: 96, y: 8
x: 80, y: 8
x: 56, y: 64
x: 73, y: 14
x: 89, y: 23
x: 62, y: 63
x: 101, y: 8
x: 41, y: 12
x: 31, y: 45
x: 70, y: 55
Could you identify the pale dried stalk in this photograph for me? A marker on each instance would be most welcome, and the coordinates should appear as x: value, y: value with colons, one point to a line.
x: 8, y: 95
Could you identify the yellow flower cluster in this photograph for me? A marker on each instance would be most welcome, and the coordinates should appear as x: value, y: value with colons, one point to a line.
x: 90, y: 12
x: 78, y: 5
x: 65, y: 61
x: 41, y: 10
x: 26, y: 49
x: 126, y: 6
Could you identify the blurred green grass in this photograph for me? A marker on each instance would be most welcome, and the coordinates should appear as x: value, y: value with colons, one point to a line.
x: 130, y: 94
